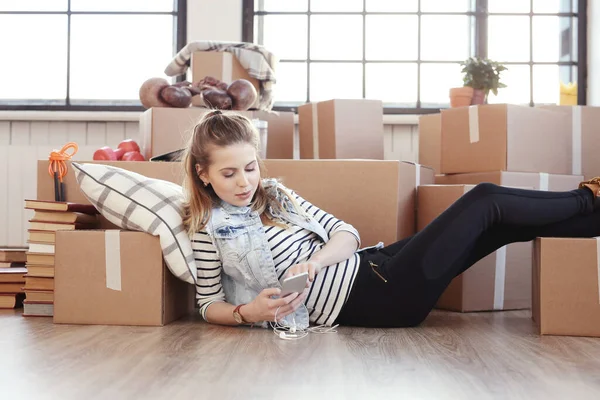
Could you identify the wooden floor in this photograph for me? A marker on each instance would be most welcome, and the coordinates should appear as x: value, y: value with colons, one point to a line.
x: 452, y: 356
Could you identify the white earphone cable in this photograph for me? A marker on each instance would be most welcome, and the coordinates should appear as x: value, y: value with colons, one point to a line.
x: 295, y: 333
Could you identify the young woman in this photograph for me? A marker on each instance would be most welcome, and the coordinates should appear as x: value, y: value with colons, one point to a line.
x: 250, y: 233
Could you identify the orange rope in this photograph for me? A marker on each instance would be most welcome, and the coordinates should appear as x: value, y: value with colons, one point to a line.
x: 58, y: 158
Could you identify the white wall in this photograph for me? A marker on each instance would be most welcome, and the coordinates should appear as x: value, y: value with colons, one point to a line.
x: 214, y: 20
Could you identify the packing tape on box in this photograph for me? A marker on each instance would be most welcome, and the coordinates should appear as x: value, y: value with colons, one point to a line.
x: 417, y: 183
x: 473, y: 124
x: 576, y: 147
x: 112, y: 252
x: 466, y: 188
x: 544, y: 181
x: 227, y: 71
x: 598, y: 264
x: 315, y: 130
x: 417, y: 175
x: 500, y: 278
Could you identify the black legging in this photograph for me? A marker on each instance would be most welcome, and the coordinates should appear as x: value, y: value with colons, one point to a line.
x: 419, y: 268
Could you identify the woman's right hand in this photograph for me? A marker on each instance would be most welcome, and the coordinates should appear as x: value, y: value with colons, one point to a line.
x: 263, y: 307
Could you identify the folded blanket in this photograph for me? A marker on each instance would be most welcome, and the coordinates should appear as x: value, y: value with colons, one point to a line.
x: 259, y: 63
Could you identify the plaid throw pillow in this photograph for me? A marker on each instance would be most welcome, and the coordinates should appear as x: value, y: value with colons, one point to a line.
x: 135, y: 202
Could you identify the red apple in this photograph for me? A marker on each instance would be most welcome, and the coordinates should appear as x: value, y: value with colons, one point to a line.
x: 133, y: 156
x: 105, y: 153
x: 129, y: 145
x: 119, y: 153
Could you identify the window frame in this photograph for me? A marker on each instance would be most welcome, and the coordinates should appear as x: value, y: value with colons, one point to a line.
x: 479, y: 44
x: 179, y: 35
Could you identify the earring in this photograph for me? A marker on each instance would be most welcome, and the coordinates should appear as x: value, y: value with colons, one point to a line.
x: 205, y: 183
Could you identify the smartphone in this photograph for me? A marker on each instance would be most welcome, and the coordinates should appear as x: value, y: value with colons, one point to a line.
x: 294, y: 284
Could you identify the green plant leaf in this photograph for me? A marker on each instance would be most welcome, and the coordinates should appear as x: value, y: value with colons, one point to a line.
x: 482, y: 74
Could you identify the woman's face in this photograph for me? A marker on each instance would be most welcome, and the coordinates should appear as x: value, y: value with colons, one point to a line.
x: 233, y: 173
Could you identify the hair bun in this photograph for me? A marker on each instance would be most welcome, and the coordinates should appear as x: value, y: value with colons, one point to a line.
x: 212, y: 113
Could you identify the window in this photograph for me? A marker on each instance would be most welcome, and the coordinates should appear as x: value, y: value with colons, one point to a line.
x: 85, y: 54
x: 408, y: 53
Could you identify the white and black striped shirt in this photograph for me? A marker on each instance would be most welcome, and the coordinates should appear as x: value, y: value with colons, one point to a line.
x: 290, y: 246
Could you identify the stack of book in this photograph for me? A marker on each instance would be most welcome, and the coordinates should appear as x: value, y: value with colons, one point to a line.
x: 49, y: 217
x: 12, y: 277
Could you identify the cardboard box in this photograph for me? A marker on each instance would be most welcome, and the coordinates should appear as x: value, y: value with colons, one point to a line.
x: 164, y: 129
x: 221, y: 65
x: 168, y: 171
x: 585, y: 141
x: 116, y: 278
x: 430, y: 141
x: 341, y: 129
x: 499, y: 281
x: 565, y: 286
x: 382, y: 209
x: 504, y: 137
x: 538, y: 181
x: 377, y: 197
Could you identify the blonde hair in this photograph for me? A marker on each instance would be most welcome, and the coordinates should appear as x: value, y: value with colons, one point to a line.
x: 221, y: 130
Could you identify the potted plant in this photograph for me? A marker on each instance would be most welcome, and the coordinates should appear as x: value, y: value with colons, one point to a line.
x: 483, y: 76
x: 461, y: 96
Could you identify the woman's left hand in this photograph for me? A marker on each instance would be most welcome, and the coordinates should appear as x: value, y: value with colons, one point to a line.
x: 312, y: 267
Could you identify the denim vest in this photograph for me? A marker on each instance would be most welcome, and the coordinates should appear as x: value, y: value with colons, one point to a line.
x: 245, y: 253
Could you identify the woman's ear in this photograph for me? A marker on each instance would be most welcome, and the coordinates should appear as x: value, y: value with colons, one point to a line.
x: 201, y: 175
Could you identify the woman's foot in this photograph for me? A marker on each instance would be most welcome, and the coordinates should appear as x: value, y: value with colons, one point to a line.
x: 593, y: 185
